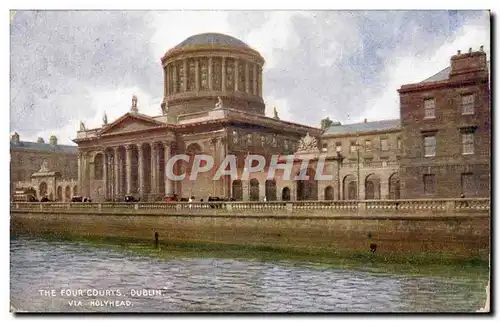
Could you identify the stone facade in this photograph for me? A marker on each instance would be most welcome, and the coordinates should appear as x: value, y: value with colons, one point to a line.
x: 57, y: 162
x: 446, y: 130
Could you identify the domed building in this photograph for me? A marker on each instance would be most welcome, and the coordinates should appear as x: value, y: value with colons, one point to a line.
x: 207, y: 66
x: 212, y: 105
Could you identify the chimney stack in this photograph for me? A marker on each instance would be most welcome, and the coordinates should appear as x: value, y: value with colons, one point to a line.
x: 40, y: 140
x: 366, y: 120
x: 53, y: 140
x: 470, y: 50
x: 481, y: 48
x: 458, y: 52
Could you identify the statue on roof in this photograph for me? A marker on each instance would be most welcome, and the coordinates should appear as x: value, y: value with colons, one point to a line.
x: 276, y: 113
x: 44, y: 167
x: 82, y: 126
x: 219, y: 103
x: 164, y: 107
x: 308, y: 144
x: 134, y: 108
x: 105, y: 119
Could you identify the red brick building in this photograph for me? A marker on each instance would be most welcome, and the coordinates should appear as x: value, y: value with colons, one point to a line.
x: 445, y: 127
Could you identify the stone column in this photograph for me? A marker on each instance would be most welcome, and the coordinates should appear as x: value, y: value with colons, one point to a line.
x: 129, y: 168
x: 117, y: 173
x: 80, y: 168
x: 259, y: 85
x: 247, y: 78
x: 140, y: 172
x: 169, y: 184
x: 210, y: 74
x: 185, y: 86
x: 197, y: 74
x: 245, y: 185
x: 105, y: 174
x: 254, y: 70
x: 384, y: 187
x: 174, y: 78
x: 223, y: 79
x: 262, y: 189
x: 235, y: 74
x: 154, y: 184
x: 165, y: 91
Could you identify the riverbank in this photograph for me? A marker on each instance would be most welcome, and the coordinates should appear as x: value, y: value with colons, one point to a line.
x: 421, y: 264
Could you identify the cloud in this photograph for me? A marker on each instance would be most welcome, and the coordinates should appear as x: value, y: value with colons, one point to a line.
x: 68, y: 66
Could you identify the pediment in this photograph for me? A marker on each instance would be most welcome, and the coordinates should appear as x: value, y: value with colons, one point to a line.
x: 130, y: 123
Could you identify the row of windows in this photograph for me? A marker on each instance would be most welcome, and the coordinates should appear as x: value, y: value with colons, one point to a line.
x: 468, y: 184
x: 251, y: 139
x: 368, y: 146
x: 430, y: 144
x: 467, y: 105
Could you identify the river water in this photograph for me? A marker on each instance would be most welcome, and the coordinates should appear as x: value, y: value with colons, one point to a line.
x: 48, y: 276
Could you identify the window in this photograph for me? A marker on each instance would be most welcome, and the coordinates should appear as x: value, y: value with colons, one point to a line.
x: 429, y: 145
x: 429, y: 108
x: 429, y: 183
x: 468, y: 104
x: 399, y: 143
x: 235, y: 137
x: 467, y: 143
x: 286, y: 145
x: 368, y: 161
x: 262, y: 140
x: 275, y: 142
x: 384, y: 144
x: 353, y: 147
x: 368, y: 145
x: 324, y: 147
x: 338, y: 147
x: 249, y: 138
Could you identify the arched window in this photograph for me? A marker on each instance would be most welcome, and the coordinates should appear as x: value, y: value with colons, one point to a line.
x: 394, y: 187
x: 237, y: 190
x: 350, y: 188
x: 329, y: 193
x: 372, y: 187
x: 285, y: 194
x: 254, y: 190
x: 270, y: 190
x: 59, y: 193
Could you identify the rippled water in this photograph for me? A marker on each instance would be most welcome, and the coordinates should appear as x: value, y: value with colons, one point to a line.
x: 215, y: 285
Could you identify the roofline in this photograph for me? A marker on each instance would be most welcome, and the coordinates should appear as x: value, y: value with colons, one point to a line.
x: 416, y: 87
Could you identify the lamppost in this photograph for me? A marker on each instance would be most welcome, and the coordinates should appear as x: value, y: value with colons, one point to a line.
x: 357, y: 153
x: 340, y: 159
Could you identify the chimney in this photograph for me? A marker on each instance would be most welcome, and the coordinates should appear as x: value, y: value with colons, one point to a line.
x: 40, y: 140
x: 481, y: 48
x: 366, y: 120
x: 470, y: 63
x: 53, y: 140
x: 458, y: 52
x: 15, y: 137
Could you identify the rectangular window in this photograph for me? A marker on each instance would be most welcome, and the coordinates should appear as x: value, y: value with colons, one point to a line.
x: 384, y: 144
x: 275, y: 141
x: 235, y: 137
x: 429, y: 108
x: 324, y: 147
x: 429, y: 183
x: 468, y: 104
x: 262, y: 140
x: 399, y: 143
x: 467, y: 143
x: 368, y: 145
x: 468, y: 184
x: 429, y: 145
x: 353, y: 147
x: 286, y: 145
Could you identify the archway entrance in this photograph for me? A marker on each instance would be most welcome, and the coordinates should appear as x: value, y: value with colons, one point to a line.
x: 307, y: 189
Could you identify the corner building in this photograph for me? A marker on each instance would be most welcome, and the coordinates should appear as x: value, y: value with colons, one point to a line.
x: 212, y: 105
x: 446, y: 130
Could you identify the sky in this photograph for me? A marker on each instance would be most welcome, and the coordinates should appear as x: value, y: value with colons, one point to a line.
x: 72, y: 66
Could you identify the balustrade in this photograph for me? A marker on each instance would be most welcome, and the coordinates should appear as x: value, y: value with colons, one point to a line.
x: 343, y: 206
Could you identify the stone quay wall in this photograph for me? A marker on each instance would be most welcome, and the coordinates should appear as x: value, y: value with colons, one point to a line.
x: 455, y: 227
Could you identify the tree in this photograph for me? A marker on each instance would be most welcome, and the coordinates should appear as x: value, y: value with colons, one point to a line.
x: 326, y: 123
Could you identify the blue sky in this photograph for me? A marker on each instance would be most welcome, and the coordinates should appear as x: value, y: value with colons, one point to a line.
x: 68, y: 66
